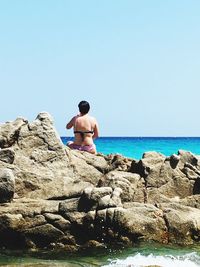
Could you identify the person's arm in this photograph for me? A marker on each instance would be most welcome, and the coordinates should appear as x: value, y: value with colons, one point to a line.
x: 96, y: 130
x: 71, y: 123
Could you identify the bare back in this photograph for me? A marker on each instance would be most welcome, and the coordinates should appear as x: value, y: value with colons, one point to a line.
x: 88, y: 126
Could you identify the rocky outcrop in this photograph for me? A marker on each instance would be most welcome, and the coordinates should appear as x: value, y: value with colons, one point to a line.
x: 59, y: 198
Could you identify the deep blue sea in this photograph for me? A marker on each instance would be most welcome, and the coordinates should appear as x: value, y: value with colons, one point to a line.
x: 134, y: 147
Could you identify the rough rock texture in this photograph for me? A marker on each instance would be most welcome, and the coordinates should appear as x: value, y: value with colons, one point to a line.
x: 7, y: 185
x: 59, y: 198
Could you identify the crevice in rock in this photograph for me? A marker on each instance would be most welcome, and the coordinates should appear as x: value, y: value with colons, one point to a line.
x: 12, y: 239
x: 35, y: 226
x: 195, y: 235
x: 196, y: 187
x: 85, y: 204
x: 80, y: 233
x: 145, y: 195
x: 111, y: 229
x: 77, y: 195
x: 55, y: 223
x: 190, y: 166
x: 167, y: 227
x: 145, y: 181
x: 14, y: 139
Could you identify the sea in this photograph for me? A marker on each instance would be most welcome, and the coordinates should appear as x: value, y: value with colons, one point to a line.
x: 154, y: 255
x: 134, y: 147
x: 148, y: 254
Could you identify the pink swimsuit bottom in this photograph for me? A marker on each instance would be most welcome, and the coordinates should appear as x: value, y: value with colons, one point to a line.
x: 87, y: 148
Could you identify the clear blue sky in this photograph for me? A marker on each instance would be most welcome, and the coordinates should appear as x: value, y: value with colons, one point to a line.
x: 136, y: 62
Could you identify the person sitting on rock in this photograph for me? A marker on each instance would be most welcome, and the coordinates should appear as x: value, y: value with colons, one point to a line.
x: 85, y: 129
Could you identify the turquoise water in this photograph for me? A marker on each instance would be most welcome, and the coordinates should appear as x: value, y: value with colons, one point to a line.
x: 165, y: 256
x: 134, y: 147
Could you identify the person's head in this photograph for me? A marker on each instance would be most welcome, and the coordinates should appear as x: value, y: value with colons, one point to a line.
x: 84, y: 107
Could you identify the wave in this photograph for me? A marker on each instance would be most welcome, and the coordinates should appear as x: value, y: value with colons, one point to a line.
x: 139, y: 260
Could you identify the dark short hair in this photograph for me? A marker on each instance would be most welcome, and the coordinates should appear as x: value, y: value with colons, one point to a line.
x: 84, y: 107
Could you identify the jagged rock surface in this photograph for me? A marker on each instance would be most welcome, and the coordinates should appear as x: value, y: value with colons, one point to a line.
x: 59, y: 198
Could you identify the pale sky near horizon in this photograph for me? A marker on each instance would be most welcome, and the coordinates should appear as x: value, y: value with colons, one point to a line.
x: 136, y: 62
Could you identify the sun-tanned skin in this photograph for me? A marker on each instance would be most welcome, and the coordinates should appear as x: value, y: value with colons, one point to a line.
x: 89, y: 126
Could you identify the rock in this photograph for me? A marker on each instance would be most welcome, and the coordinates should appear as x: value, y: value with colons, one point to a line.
x: 94, y: 244
x: 85, y: 171
x: 29, y: 208
x: 97, y: 161
x: 12, y: 221
x: 163, y: 177
x: 149, y: 168
x: 132, y: 185
x: 71, y: 211
x: 9, y: 132
x: 191, y: 201
x: 141, y: 222
x: 11, y: 226
x: 69, y: 205
x: 183, y: 223
x: 153, y: 157
x: 39, y: 155
x: 37, y: 220
x: 7, y: 185
x: 57, y: 198
x: 98, y: 193
x: 187, y: 157
x: 118, y: 162
x: 104, y: 202
x: 43, y: 235
x: 95, y: 198
x: 58, y: 221
x: 191, y: 174
x: 109, y: 201
x: 7, y: 155
x: 178, y: 186
x: 45, y: 118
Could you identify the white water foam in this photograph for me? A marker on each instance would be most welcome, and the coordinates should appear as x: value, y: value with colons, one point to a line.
x: 139, y: 260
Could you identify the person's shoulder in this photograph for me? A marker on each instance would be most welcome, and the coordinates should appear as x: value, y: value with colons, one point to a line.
x: 76, y: 117
x: 92, y: 118
x: 93, y: 121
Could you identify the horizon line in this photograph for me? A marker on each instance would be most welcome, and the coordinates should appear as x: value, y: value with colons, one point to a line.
x: 138, y: 136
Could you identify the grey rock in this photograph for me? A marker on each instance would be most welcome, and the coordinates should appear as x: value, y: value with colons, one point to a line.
x: 187, y: 157
x: 7, y: 185
x: 69, y: 205
x: 37, y: 220
x: 7, y: 155
x: 132, y: 185
x: 9, y: 132
x: 95, y: 198
x: 118, y: 162
x: 58, y: 221
x: 183, y: 223
x: 12, y: 221
x: 43, y: 235
x: 149, y: 167
x: 142, y: 222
